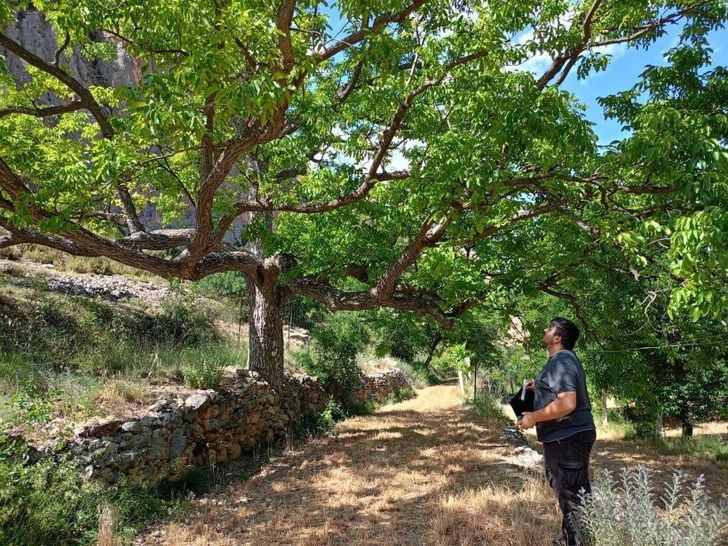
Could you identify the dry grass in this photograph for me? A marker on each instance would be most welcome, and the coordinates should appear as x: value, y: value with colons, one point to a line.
x: 420, y: 472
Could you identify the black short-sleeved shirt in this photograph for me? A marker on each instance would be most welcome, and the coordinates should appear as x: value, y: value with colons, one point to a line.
x: 563, y: 373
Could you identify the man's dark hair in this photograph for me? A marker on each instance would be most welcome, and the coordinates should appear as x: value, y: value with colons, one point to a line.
x: 568, y: 331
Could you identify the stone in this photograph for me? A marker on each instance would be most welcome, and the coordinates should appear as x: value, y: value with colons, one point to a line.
x: 97, y: 427
x: 132, y: 426
x: 197, y: 401
x: 177, y: 445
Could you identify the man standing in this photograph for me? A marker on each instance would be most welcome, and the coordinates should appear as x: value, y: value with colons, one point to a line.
x: 563, y: 419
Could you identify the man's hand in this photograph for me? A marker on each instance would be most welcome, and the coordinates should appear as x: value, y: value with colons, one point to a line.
x: 526, y: 422
x: 530, y: 385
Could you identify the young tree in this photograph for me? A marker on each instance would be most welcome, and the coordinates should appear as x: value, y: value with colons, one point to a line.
x: 294, y: 115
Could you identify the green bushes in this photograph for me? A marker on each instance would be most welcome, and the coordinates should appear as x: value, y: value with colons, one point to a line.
x: 180, y: 321
x: 331, y: 355
x: 324, y: 421
x: 47, y: 502
x: 625, y: 513
x: 488, y: 407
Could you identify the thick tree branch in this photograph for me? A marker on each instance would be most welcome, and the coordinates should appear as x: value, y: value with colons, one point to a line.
x: 338, y: 300
x: 428, y: 235
x: 283, y: 25
x: 43, y: 112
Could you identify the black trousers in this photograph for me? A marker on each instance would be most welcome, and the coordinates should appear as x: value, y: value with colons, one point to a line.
x: 567, y: 471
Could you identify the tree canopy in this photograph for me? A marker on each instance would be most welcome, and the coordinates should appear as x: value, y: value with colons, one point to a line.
x: 384, y: 154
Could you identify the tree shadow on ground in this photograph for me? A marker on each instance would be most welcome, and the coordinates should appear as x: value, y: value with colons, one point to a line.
x: 405, y: 475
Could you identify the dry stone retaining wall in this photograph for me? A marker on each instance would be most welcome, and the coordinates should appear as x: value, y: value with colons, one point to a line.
x: 208, y: 427
x: 381, y: 387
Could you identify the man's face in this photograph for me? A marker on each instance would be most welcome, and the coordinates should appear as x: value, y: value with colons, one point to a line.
x: 550, y: 337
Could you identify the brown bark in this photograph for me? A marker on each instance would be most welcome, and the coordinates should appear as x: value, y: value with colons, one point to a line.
x: 265, y: 333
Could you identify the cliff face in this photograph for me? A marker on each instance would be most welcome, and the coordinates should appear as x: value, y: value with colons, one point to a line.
x: 35, y: 34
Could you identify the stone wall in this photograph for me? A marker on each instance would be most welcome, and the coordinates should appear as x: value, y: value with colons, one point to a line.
x: 381, y: 387
x: 208, y: 427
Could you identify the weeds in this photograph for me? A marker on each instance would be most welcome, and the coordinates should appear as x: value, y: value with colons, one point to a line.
x: 488, y: 407
x: 47, y: 502
x: 626, y: 512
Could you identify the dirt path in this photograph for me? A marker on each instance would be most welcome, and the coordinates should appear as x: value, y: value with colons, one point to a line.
x: 419, y: 472
x: 425, y: 471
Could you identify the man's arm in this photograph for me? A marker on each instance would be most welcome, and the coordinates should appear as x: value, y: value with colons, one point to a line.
x: 564, y: 404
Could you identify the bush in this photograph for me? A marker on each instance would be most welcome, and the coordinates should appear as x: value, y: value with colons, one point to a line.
x: 333, y: 412
x: 331, y: 356
x: 488, y: 407
x: 181, y: 321
x: 48, y: 502
x: 203, y: 374
x: 341, y: 378
x: 625, y: 513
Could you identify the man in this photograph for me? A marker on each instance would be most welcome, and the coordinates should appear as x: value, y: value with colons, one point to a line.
x: 563, y: 419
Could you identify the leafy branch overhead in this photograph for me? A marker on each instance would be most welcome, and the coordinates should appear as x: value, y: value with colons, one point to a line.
x: 407, y: 142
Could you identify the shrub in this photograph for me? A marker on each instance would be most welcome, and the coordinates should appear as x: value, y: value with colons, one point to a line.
x: 203, y: 374
x: 180, y: 321
x: 333, y: 412
x: 229, y: 283
x: 48, y: 502
x: 332, y: 355
x: 340, y: 377
x: 625, y: 513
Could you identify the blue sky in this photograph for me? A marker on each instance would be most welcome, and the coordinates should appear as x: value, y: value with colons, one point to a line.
x: 623, y: 72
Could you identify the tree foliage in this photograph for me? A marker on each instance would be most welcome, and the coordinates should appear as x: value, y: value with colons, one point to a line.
x: 383, y: 154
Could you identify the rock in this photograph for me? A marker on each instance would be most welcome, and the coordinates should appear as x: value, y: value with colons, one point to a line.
x: 177, y: 445
x: 197, y: 401
x: 97, y: 428
x: 159, y: 405
x: 132, y: 426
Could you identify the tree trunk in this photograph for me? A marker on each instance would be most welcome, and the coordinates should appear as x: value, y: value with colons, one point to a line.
x: 265, y: 337
x: 605, y: 414
x: 431, y: 353
x: 687, y: 428
x: 659, y: 425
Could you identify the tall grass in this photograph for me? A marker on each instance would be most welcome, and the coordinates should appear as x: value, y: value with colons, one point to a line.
x: 71, y: 357
x: 487, y: 407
